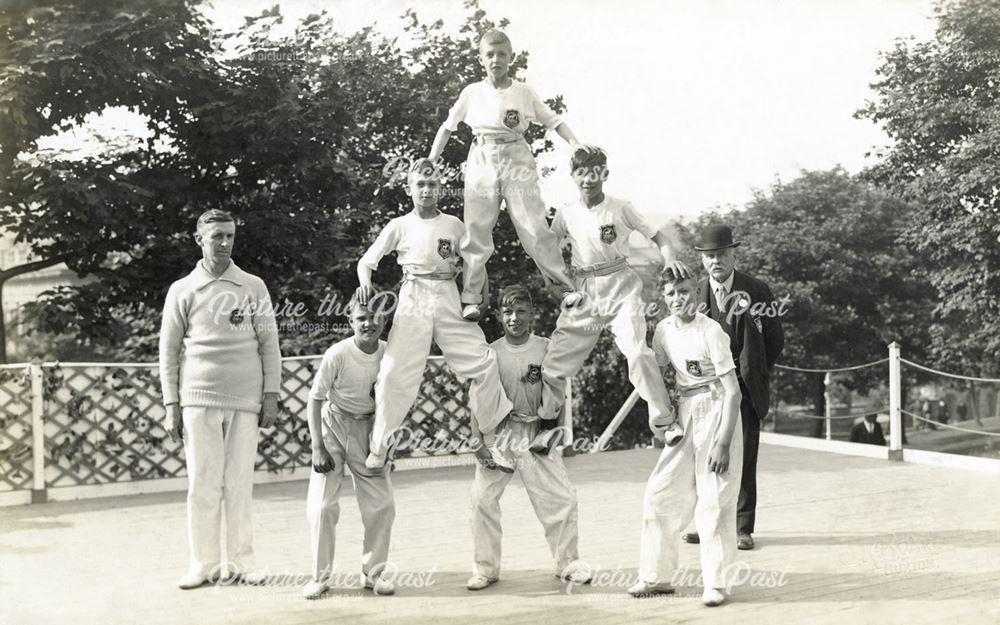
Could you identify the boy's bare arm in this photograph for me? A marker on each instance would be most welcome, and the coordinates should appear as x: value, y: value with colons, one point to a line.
x: 730, y: 407
x: 440, y: 140
x: 668, y: 250
x: 321, y: 460
x: 563, y: 131
x: 718, y: 458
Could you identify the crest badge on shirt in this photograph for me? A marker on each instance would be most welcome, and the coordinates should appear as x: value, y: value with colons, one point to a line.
x: 534, y: 375
x: 444, y: 248
x: 693, y: 367
x: 608, y: 233
x: 236, y: 317
x: 511, y: 118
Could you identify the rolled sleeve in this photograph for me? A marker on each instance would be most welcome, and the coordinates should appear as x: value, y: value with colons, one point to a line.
x: 323, y: 381
x: 718, y: 349
x: 660, y: 346
x: 458, y: 111
x: 386, y: 242
x: 635, y: 220
x: 543, y: 113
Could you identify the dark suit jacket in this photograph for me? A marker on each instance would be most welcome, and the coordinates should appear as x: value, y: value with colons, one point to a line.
x: 756, y: 335
x: 859, y: 434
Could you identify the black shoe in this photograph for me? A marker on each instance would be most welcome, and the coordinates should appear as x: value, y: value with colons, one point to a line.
x: 691, y: 538
x: 744, y: 541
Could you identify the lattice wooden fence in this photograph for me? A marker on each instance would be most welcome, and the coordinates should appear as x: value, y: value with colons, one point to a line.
x: 102, y: 423
x: 15, y: 429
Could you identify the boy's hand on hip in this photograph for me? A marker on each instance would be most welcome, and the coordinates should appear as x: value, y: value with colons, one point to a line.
x: 718, y: 460
x: 269, y: 411
x: 174, y: 424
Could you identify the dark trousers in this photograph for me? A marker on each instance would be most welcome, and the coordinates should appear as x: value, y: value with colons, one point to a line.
x: 746, y: 507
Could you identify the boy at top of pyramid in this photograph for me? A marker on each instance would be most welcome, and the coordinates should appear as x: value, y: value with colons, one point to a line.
x: 501, y: 167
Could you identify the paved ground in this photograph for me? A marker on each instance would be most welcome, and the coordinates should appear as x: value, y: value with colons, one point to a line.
x: 840, y: 540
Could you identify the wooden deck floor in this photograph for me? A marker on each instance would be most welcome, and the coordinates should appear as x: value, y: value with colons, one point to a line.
x: 840, y: 540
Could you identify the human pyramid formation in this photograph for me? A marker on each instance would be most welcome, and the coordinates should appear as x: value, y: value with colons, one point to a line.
x: 213, y: 360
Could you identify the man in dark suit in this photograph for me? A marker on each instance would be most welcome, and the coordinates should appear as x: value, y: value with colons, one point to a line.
x: 868, y: 431
x: 747, y: 311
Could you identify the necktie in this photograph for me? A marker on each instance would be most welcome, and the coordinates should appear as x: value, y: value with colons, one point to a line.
x: 720, y: 297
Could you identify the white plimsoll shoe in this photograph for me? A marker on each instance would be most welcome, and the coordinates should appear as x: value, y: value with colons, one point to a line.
x: 478, y: 582
x: 650, y: 589
x: 500, y: 461
x: 545, y: 441
x: 577, y: 573
x: 673, y: 433
x: 192, y: 580
x: 314, y: 590
x: 374, y: 462
x: 712, y: 597
x: 380, y: 586
x: 471, y: 312
x: 572, y: 298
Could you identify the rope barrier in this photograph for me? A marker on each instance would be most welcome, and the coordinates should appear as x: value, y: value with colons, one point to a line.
x: 841, y: 369
x: 854, y: 415
x: 950, y: 427
x: 949, y: 375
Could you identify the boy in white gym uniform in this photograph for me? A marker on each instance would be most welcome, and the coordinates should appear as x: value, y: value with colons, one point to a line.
x: 340, y: 412
x: 426, y: 242
x: 519, y: 356
x: 501, y: 167
x: 702, y: 474
x: 598, y: 227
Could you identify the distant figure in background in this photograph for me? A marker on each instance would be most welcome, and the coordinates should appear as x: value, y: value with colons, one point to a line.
x: 925, y: 412
x: 868, y: 431
x: 942, y: 411
x: 220, y: 371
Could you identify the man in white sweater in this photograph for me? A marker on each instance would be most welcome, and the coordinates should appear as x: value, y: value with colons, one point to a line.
x: 220, y: 371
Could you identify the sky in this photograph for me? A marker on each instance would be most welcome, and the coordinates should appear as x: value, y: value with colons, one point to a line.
x: 698, y: 102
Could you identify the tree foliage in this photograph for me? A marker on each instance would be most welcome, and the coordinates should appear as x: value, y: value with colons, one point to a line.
x: 828, y: 244
x: 939, y: 102
x: 296, y: 134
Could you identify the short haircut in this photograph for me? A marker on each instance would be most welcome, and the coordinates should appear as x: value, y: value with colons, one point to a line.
x: 588, y: 157
x: 494, y: 36
x: 515, y: 293
x: 214, y: 215
x: 423, y: 166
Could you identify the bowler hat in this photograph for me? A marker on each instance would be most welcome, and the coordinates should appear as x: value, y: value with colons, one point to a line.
x: 716, y: 237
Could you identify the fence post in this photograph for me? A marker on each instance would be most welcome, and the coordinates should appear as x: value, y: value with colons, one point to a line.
x: 828, y: 403
x: 38, y: 494
x: 895, y: 405
x: 569, y: 449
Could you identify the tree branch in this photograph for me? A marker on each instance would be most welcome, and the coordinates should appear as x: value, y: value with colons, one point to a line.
x: 18, y: 270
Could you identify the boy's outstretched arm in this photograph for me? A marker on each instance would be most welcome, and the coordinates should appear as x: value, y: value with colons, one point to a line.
x: 718, y: 459
x: 384, y: 243
x: 669, y: 254
x: 563, y: 131
x: 440, y: 141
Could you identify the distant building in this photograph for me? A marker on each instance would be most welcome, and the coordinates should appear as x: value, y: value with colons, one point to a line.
x: 24, y: 289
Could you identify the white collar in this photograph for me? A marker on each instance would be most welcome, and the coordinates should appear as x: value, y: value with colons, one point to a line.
x: 203, y: 277
x: 728, y: 283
